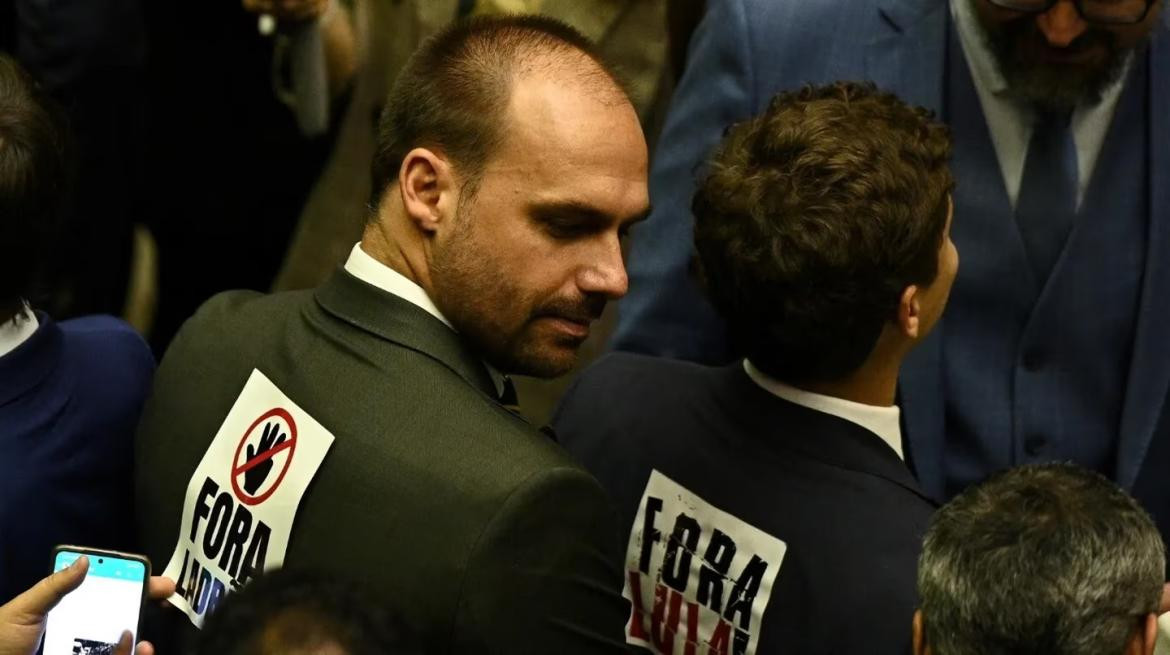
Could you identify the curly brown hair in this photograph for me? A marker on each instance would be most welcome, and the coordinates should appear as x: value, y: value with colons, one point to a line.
x: 813, y: 218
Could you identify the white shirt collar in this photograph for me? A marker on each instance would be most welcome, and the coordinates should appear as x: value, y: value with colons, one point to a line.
x: 885, y: 422
x: 371, y: 271
x: 18, y: 330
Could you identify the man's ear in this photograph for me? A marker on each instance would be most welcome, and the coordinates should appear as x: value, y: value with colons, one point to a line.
x: 920, y: 647
x: 1142, y: 641
x: 910, y: 312
x: 428, y: 188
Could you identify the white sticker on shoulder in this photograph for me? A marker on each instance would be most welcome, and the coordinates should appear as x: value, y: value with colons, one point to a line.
x: 243, y: 496
x: 698, y: 579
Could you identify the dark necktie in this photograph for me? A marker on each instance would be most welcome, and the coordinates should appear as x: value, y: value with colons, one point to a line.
x: 1047, y: 203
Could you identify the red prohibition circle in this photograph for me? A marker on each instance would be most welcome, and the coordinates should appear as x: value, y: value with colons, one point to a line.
x: 240, y: 470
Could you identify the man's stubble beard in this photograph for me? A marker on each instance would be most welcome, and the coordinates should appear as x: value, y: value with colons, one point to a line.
x: 472, y: 294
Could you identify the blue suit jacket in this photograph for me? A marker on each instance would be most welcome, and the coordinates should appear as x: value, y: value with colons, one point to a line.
x: 747, y: 50
x: 70, y: 398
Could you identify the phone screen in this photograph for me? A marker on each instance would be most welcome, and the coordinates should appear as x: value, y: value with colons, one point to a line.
x: 91, y: 619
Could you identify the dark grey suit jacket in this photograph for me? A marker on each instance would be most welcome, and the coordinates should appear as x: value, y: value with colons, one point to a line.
x: 478, y: 530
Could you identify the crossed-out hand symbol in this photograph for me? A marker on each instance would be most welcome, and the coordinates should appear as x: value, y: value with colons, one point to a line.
x: 255, y: 476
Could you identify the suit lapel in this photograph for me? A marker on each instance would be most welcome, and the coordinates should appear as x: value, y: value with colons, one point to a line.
x: 909, y: 59
x: 393, y: 319
x: 1149, y: 375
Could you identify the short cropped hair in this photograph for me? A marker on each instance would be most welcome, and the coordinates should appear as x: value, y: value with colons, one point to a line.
x: 1039, y: 559
x: 812, y: 219
x: 292, y: 611
x: 453, y: 92
x: 34, y: 180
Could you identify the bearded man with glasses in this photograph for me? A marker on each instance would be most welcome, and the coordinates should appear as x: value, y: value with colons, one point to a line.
x: 1057, y: 54
x: 1054, y: 343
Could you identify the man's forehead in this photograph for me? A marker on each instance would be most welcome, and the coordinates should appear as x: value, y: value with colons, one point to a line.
x: 552, y: 124
x: 560, y: 102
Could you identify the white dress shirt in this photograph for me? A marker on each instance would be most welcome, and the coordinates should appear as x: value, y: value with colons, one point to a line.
x: 1010, y: 121
x: 373, y: 272
x: 17, y: 331
x: 885, y: 422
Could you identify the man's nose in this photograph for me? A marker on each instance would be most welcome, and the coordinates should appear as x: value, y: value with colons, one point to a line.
x: 606, y: 274
x: 1061, y: 24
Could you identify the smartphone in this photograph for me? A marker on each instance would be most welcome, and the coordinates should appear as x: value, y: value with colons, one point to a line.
x: 91, y: 618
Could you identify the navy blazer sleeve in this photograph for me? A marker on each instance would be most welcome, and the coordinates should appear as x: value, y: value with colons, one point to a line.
x: 665, y: 313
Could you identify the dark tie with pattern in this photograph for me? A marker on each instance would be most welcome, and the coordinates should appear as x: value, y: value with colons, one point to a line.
x: 1047, y: 203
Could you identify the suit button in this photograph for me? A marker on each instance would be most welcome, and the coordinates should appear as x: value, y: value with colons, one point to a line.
x: 1033, y: 360
x: 1034, y: 445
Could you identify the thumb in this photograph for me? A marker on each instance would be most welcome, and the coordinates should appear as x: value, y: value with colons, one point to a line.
x: 1164, y: 604
x: 31, y: 606
x: 125, y: 644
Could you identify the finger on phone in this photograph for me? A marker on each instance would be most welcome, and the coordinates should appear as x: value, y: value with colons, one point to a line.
x: 161, y: 588
x: 49, y: 591
x: 125, y: 643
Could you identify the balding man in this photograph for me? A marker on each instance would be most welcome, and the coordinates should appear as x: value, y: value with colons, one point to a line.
x: 373, y: 409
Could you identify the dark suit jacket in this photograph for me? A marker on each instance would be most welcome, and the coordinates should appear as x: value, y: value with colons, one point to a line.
x: 847, y: 508
x: 70, y: 397
x: 479, y: 531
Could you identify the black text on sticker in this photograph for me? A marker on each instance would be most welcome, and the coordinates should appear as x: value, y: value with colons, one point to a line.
x: 225, y: 540
x: 683, y: 599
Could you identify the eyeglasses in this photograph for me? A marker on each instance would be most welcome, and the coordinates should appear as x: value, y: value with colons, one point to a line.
x: 1108, y: 12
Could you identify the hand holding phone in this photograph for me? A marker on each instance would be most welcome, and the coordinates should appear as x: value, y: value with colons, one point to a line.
x: 22, y: 620
x: 100, y: 615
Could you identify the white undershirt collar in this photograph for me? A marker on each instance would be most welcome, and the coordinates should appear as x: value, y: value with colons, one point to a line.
x: 885, y: 422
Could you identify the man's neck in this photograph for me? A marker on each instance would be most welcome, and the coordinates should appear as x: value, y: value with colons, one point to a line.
x: 870, y: 385
x: 381, y: 246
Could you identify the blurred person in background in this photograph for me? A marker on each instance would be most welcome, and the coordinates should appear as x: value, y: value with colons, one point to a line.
x: 70, y: 392
x: 1046, y: 558
x: 243, y: 104
x: 291, y: 612
x: 90, y: 56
